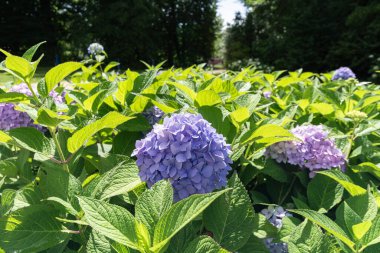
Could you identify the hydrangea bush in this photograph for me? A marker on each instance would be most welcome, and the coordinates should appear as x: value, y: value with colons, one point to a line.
x: 92, y: 166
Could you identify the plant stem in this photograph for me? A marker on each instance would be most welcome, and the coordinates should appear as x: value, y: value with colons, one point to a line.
x: 59, y: 149
x: 289, y: 190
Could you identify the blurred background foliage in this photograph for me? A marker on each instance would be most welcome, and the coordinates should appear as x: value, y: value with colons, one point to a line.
x: 282, y: 34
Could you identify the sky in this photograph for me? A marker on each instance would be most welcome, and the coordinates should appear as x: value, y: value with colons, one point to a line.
x: 228, y: 8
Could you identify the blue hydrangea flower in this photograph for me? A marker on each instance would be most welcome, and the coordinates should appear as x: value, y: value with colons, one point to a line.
x: 314, y: 150
x: 343, y: 73
x: 274, y: 215
x: 188, y: 152
x: 95, y: 49
x: 11, y: 118
x: 153, y: 115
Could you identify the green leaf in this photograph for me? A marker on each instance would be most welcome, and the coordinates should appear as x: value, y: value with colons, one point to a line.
x: 31, y: 229
x: 80, y: 137
x: 207, y: 98
x: 153, y: 203
x: 59, y: 72
x: 240, y: 115
x: 345, y: 181
x: 367, y: 167
x: 269, y: 134
x: 305, y: 238
x: 204, y: 244
x: 28, y: 55
x: 32, y: 140
x: 12, y: 97
x: 327, y: 224
x: 179, y: 215
x: 119, y: 180
x: 361, y: 229
x: 97, y: 243
x: 323, y: 193
x: 373, y: 234
x: 322, y: 108
x: 230, y: 218
x: 19, y: 65
x: 50, y: 118
x: 110, y: 220
x: 143, y: 236
x: 94, y: 102
x: 254, y: 245
x: 111, y: 65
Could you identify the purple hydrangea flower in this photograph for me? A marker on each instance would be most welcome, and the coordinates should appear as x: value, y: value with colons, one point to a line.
x: 95, y: 49
x: 343, y: 73
x: 153, y: 115
x: 188, y: 152
x: 314, y: 150
x: 267, y: 94
x: 11, y: 118
x: 275, y: 215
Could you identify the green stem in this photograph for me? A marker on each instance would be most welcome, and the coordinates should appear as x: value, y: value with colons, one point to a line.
x: 289, y: 190
x: 59, y: 149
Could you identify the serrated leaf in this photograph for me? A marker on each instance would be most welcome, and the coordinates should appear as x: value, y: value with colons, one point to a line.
x: 324, y: 193
x: 50, y: 118
x: 269, y: 134
x: 19, y: 65
x: 59, y: 72
x: 31, y: 229
x: 207, y: 98
x: 28, y: 55
x: 373, y: 234
x: 110, y: 220
x: 345, y: 181
x: 80, y: 137
x: 327, y: 224
x: 32, y: 140
x: 12, y: 97
x: 240, y: 115
x: 204, y: 244
x: 361, y: 229
x: 97, y: 243
x: 179, y: 215
x: 153, y: 203
x: 230, y: 218
x: 119, y: 180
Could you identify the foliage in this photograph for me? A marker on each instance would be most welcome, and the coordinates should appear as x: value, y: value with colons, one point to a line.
x: 75, y: 188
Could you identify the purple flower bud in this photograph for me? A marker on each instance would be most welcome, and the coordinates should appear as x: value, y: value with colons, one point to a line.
x: 153, y: 115
x: 343, y: 73
x: 315, y: 150
x: 267, y: 94
x: 188, y: 152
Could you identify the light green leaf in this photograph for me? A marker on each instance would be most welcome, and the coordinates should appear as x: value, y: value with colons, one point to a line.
x: 153, y: 203
x: 110, y: 220
x: 179, y: 215
x: 80, y: 137
x: 94, y: 102
x: 367, y: 167
x: 28, y: 55
x: 110, y: 66
x: 361, y: 229
x: 19, y: 65
x: 50, y: 118
x: 31, y: 229
x: 207, y: 98
x: 270, y: 134
x: 326, y: 223
x: 240, y: 115
x: 373, y: 234
x: 321, y: 108
x: 12, y: 97
x: 324, y: 193
x: 345, y: 181
x: 230, y: 218
x: 59, y: 72
x: 204, y: 244
x: 119, y: 180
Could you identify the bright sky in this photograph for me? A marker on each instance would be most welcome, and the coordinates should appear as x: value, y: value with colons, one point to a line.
x: 228, y: 8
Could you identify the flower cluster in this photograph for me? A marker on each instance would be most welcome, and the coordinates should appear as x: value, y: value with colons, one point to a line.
x: 356, y: 115
x: 314, y: 150
x: 275, y: 215
x: 153, y: 115
x: 188, y: 152
x: 11, y: 118
x: 343, y: 73
x: 95, y: 49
